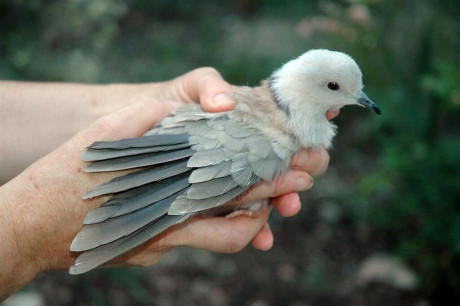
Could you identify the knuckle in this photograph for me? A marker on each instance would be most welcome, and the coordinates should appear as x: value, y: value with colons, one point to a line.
x: 206, y: 71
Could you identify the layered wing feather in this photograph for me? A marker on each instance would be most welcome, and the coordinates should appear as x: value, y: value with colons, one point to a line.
x: 191, y: 162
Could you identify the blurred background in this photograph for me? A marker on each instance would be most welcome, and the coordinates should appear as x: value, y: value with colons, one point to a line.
x: 381, y: 227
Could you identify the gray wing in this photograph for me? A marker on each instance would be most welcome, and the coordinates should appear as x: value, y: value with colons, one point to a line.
x: 190, y: 162
x: 100, y: 255
x: 241, y: 158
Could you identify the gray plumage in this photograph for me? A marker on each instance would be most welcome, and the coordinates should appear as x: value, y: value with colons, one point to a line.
x: 207, y: 158
x: 103, y: 154
x: 268, y: 167
x: 139, y: 178
x: 241, y: 170
x: 156, y: 192
x: 152, y: 196
x: 259, y: 147
x: 237, y: 130
x: 137, y: 161
x: 231, y: 143
x: 161, y: 130
x: 94, y: 235
x: 208, y: 173
x: 202, y: 143
x: 194, y: 162
x: 97, y: 256
x: 209, y: 189
x: 200, y: 129
x: 146, y: 141
x: 122, y: 196
x: 184, y: 205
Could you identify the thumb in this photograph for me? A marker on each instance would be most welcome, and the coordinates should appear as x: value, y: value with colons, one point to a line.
x: 206, y: 86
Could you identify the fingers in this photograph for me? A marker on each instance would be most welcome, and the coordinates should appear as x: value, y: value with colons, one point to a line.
x: 315, y: 162
x: 264, y: 239
x: 213, y: 234
x: 205, y: 85
x: 304, y: 166
x: 232, y: 237
x: 288, y: 205
x: 219, y: 234
x: 292, y: 181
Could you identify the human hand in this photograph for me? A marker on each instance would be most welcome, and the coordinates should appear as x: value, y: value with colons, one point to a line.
x: 208, y: 87
x: 44, y: 208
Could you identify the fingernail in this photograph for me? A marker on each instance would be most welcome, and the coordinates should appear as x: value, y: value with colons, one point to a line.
x: 302, y: 183
x: 224, y: 100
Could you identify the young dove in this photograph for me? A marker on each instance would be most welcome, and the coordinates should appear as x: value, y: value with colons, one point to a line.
x: 194, y: 162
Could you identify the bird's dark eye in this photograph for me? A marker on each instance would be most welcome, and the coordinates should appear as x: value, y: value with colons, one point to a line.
x: 333, y: 85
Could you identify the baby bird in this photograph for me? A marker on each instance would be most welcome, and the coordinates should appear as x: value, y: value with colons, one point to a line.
x: 194, y: 162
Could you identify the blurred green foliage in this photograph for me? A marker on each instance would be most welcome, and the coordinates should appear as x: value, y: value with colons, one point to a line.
x: 401, y: 171
x: 415, y: 188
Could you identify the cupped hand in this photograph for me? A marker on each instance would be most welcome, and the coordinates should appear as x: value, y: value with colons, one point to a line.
x: 207, y: 86
x: 47, y: 209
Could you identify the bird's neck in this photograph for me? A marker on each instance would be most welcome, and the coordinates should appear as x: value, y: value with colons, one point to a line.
x: 301, y: 125
x: 311, y: 128
x: 306, y: 119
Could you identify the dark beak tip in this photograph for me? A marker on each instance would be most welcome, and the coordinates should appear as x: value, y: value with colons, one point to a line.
x: 366, y: 102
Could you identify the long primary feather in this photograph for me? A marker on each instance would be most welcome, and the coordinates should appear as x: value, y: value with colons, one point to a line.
x: 138, y: 161
x: 141, y: 142
x: 139, y: 178
x: 103, y: 154
x: 94, y: 235
x: 95, y: 257
x: 157, y: 192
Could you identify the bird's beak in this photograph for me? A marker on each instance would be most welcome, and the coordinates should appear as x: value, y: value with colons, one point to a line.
x: 364, y: 100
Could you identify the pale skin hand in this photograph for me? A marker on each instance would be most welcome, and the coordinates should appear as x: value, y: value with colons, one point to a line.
x: 43, y: 210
